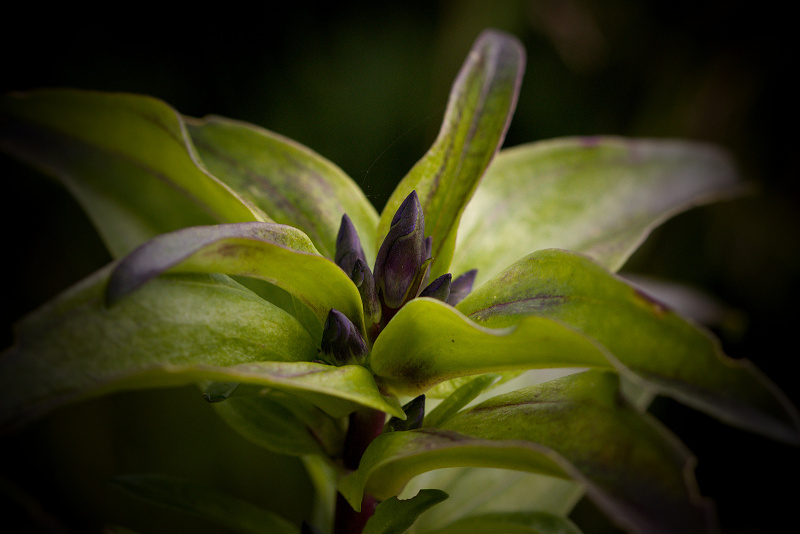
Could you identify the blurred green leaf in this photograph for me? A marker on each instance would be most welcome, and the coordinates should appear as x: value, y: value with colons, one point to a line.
x: 576, y: 427
x: 279, y: 254
x: 291, y: 183
x: 428, y: 342
x: 190, y: 497
x: 511, y: 523
x: 395, y: 516
x: 482, y: 101
x: 665, y: 351
x: 125, y: 158
x: 600, y: 196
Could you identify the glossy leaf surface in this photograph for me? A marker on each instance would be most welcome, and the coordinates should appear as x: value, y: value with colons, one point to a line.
x: 125, y: 158
x: 279, y: 254
x: 429, y: 342
x: 288, y: 181
x: 511, y: 523
x: 600, y: 196
x: 662, y: 349
x: 196, y: 499
x: 575, y: 427
x: 482, y: 100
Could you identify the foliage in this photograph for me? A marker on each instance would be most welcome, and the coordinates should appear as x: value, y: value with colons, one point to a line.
x: 252, y: 267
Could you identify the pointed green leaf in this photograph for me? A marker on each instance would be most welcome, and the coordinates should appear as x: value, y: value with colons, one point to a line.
x: 282, y: 423
x: 511, y: 523
x: 428, y: 342
x: 658, y: 346
x: 479, y: 110
x: 599, y: 196
x: 291, y: 183
x: 175, y: 330
x: 395, y: 516
x: 459, y: 398
x: 126, y: 159
x: 202, y: 501
x: 576, y: 427
x: 276, y: 253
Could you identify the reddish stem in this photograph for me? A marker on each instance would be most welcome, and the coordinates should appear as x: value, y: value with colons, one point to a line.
x: 365, y: 426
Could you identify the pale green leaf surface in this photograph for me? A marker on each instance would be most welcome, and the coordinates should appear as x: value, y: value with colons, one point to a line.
x: 125, y: 158
x: 511, y: 523
x: 662, y: 349
x: 599, y: 196
x: 395, y: 516
x: 573, y: 427
x: 428, y: 342
x: 175, y: 330
x: 199, y: 500
x: 288, y: 181
x: 474, y: 490
x: 279, y: 254
x: 481, y: 103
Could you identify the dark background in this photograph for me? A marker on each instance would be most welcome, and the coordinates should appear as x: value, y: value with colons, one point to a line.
x: 366, y: 86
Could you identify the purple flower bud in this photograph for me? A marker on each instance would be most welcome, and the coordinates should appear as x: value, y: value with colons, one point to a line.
x: 362, y: 278
x: 348, y: 246
x: 402, y: 255
x: 461, y: 287
x: 439, y: 288
x: 415, y: 413
x: 341, y: 341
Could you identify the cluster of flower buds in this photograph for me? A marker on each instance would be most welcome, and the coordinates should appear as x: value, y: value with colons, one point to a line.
x: 400, y: 273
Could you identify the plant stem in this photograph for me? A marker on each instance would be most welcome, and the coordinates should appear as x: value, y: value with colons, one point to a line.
x: 365, y: 426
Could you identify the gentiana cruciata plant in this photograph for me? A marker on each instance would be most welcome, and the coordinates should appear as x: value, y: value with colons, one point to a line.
x: 473, y: 335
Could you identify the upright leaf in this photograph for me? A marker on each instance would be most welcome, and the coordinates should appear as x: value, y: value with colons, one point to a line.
x: 395, y: 516
x: 599, y: 196
x: 479, y: 110
x: 126, y: 159
x: 644, y: 336
x: 291, y: 183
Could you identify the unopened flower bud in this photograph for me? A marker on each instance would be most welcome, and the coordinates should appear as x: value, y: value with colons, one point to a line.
x: 415, y: 413
x: 439, y: 288
x: 362, y: 278
x: 461, y: 287
x: 402, y: 254
x: 341, y: 341
x: 348, y: 246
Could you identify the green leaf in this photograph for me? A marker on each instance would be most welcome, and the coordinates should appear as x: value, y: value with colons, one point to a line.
x: 279, y: 254
x: 126, y: 159
x: 599, y: 196
x: 481, y: 103
x: 199, y: 500
x: 291, y: 183
x: 428, y: 342
x: 282, y: 423
x: 576, y: 427
x: 481, y: 490
x: 511, y: 523
x: 175, y: 330
x: 459, y: 398
x: 395, y: 516
x: 663, y: 350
